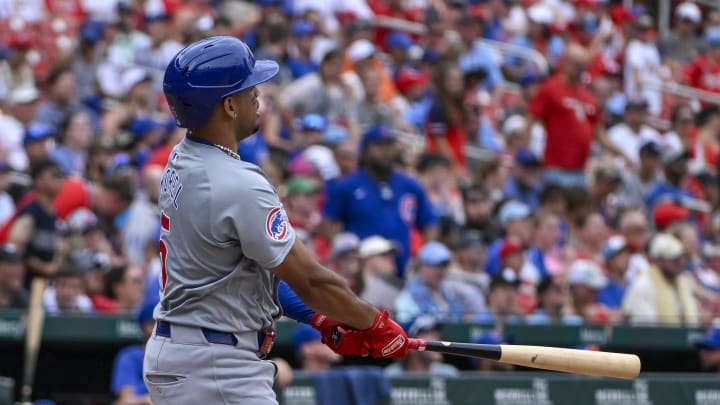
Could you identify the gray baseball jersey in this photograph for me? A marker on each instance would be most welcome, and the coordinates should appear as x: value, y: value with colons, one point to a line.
x: 223, y: 227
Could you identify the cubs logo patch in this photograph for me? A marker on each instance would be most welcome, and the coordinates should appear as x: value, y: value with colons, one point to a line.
x: 276, y: 226
x: 407, y: 208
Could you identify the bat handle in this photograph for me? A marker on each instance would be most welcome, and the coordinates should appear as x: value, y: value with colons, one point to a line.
x: 417, y: 344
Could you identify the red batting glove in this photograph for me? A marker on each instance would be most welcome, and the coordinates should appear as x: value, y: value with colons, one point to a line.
x: 387, y: 339
x: 325, y: 324
x: 336, y: 336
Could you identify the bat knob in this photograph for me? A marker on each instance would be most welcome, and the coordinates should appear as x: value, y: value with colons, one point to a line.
x: 416, y: 344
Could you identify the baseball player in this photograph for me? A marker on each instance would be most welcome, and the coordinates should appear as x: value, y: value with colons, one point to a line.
x: 226, y: 243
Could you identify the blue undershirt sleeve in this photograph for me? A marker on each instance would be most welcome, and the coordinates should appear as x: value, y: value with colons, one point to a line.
x: 292, y: 305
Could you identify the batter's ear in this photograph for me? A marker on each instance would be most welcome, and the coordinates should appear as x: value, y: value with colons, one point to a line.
x: 229, y: 107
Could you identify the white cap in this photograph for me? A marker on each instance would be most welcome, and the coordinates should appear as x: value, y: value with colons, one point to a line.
x: 323, y: 158
x: 587, y: 273
x: 360, y: 49
x: 375, y: 245
x: 688, y: 10
x: 513, y: 124
x: 132, y: 77
x: 320, y: 48
x: 540, y: 14
x: 666, y: 246
x: 24, y: 94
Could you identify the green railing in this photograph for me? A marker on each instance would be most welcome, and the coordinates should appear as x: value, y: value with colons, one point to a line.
x: 122, y: 329
x: 535, y: 389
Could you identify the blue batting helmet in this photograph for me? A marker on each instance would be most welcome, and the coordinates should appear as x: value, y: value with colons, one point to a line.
x: 205, y: 72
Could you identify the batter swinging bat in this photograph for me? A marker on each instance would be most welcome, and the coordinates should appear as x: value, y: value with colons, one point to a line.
x: 36, y: 315
x: 603, y: 364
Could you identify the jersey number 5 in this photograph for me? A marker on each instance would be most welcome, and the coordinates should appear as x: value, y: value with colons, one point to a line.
x: 165, y: 225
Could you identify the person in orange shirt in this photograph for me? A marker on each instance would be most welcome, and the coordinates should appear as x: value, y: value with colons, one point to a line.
x: 360, y: 56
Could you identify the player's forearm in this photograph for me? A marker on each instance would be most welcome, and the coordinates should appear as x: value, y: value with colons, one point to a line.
x: 322, y: 290
x: 330, y: 296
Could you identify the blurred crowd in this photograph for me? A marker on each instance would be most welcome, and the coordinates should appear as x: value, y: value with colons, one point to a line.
x: 467, y: 160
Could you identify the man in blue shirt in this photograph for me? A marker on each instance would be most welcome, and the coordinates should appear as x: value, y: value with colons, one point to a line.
x: 517, y: 221
x: 524, y: 183
x: 616, y: 254
x: 379, y: 200
x: 675, y: 168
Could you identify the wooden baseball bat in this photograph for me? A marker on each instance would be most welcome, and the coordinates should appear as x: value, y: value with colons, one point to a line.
x: 33, y: 334
x: 603, y: 364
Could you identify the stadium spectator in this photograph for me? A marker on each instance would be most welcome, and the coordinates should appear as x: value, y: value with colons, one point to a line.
x: 12, y: 275
x: 545, y: 250
x: 588, y: 236
x: 445, y: 126
x: 427, y: 293
x: 67, y: 292
x: 586, y: 279
x: 139, y: 233
x: 563, y: 106
x: 87, y: 57
x: 680, y: 134
x: 379, y: 200
x: 310, y: 352
x: 683, y: 43
x: 15, y: 113
x: 76, y: 135
x: 553, y: 299
x: 703, y: 71
x: 466, y: 277
x: 301, y: 202
x: 523, y: 184
x: 62, y: 98
x: 380, y: 285
x: 709, y: 353
x: 36, y: 142
x: 637, y: 184
x: 126, y: 381
x: 344, y: 259
x: 433, y: 173
x: 422, y: 362
x: 643, y: 66
x: 15, y: 70
x: 300, y: 61
x: 478, y: 210
x: 616, y: 254
x: 633, y: 132
x: 675, y: 168
x: 663, y: 294
x: 320, y: 92
x: 34, y: 228
x: 155, y: 55
x: 125, y: 285
x: 606, y: 182
x: 502, y: 299
x: 516, y: 219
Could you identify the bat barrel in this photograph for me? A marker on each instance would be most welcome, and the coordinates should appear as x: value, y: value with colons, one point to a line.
x: 603, y: 364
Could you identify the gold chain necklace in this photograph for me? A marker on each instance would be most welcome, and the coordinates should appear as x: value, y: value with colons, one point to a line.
x: 229, y: 151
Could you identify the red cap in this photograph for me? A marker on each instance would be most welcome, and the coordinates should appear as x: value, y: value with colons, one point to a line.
x: 667, y: 213
x: 620, y: 15
x: 407, y: 78
x: 510, y: 246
